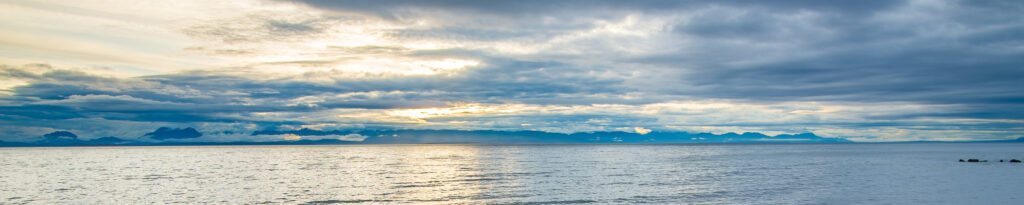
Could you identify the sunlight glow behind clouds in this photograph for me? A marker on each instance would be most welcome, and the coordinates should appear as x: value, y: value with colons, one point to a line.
x: 458, y: 110
x: 278, y: 38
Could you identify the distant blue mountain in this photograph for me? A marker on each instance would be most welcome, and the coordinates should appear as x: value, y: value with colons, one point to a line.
x: 60, y: 138
x: 164, y: 133
x: 65, y: 138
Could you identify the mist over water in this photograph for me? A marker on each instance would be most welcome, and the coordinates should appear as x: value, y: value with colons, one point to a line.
x: 516, y: 174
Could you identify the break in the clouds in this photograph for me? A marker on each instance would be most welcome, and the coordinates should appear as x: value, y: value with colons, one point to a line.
x: 860, y: 70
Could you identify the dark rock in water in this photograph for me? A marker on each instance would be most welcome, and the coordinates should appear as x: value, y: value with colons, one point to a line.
x: 1014, y: 161
x: 973, y: 160
x: 1000, y: 160
x: 961, y: 160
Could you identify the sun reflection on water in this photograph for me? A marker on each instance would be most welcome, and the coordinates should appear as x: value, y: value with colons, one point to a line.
x: 487, y: 174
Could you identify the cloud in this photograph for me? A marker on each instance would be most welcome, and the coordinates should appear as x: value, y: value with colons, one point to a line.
x: 640, y: 130
x: 352, y: 137
x: 879, y: 70
x: 291, y: 137
x: 227, y: 103
x: 312, y: 134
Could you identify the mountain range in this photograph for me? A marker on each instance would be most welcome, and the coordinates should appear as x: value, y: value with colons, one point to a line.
x: 173, y: 136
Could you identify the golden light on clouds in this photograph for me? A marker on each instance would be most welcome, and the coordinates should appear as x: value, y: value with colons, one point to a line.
x: 291, y: 137
x: 267, y: 39
x: 641, y: 130
x: 457, y: 110
x: 402, y: 66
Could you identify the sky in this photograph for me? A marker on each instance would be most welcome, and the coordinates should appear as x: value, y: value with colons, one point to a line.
x: 860, y: 70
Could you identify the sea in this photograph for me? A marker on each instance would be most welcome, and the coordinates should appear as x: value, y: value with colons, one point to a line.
x: 896, y: 173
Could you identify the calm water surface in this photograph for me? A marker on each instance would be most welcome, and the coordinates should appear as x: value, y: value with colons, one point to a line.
x: 515, y: 174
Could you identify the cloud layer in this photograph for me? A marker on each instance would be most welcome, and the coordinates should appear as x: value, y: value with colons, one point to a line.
x: 865, y: 70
